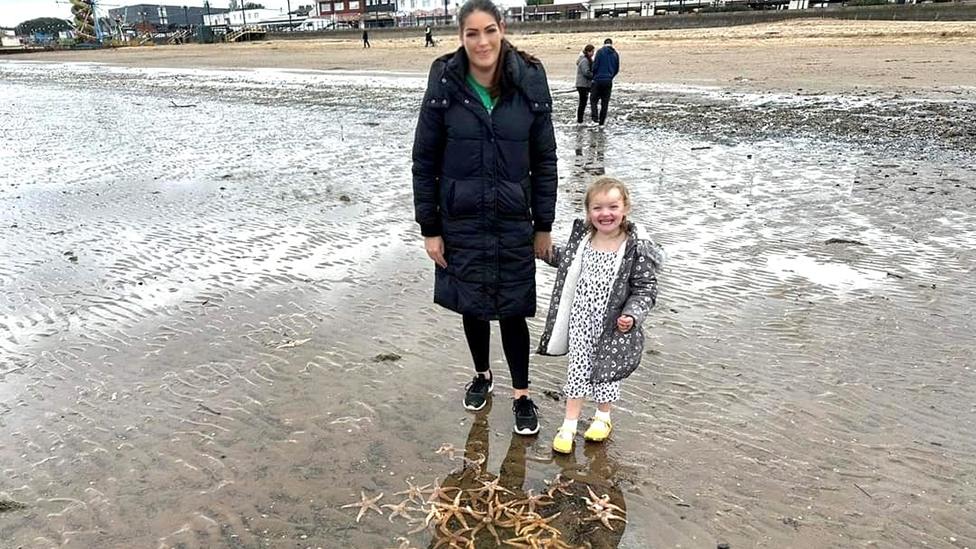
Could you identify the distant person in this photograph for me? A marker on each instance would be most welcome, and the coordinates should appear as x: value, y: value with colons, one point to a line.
x: 606, y: 65
x: 366, y: 39
x: 605, y: 287
x: 429, y: 37
x: 584, y: 78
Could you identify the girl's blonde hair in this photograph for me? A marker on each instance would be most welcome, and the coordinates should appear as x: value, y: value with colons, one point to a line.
x: 602, y: 186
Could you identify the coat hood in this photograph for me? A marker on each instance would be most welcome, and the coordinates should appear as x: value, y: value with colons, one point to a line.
x: 520, y: 71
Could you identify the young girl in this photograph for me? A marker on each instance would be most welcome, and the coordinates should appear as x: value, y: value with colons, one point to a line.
x: 606, y: 284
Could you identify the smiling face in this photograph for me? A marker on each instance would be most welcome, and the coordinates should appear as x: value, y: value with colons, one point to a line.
x: 482, y: 37
x: 606, y: 210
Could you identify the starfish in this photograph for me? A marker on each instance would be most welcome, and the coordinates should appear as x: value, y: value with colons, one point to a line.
x: 452, y: 510
x: 559, y: 484
x: 455, y: 539
x: 400, y: 510
x: 469, y: 463
x: 476, y: 461
x: 435, y: 513
x: 526, y: 542
x: 502, y: 510
x: 604, y: 516
x: 532, y: 501
x: 365, y: 504
x: 448, y: 449
x: 432, y: 514
x: 487, y: 519
x: 491, y: 488
x: 600, y: 503
x: 439, y: 492
x: 553, y: 542
x: 413, y: 492
x: 536, y: 522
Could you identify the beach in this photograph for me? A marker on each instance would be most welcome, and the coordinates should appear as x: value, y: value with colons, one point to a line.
x: 216, y: 317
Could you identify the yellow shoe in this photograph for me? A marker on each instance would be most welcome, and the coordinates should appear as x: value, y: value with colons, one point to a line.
x: 599, y: 430
x: 563, y: 443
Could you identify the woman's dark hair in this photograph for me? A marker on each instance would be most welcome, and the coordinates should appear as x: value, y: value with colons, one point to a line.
x: 486, y: 6
x: 489, y: 7
x: 589, y: 48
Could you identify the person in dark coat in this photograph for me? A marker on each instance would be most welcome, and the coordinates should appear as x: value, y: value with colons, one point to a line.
x: 428, y: 37
x: 366, y: 39
x: 606, y: 65
x: 484, y: 182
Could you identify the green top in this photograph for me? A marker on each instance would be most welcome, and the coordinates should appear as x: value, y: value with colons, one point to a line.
x: 483, y: 94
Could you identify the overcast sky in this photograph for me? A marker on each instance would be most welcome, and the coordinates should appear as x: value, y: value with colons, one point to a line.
x: 14, y: 12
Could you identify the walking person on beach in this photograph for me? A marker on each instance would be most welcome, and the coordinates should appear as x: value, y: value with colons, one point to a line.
x: 428, y: 37
x: 484, y: 183
x: 366, y: 39
x: 606, y: 65
x: 604, y: 289
x: 584, y: 78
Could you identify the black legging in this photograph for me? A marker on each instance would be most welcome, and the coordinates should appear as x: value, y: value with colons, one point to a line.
x: 584, y: 93
x: 600, y: 94
x: 515, y: 343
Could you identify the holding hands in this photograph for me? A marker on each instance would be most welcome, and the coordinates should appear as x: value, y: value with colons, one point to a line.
x: 543, y: 245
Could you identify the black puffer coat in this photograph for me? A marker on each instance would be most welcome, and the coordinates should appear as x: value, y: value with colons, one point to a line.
x: 486, y: 183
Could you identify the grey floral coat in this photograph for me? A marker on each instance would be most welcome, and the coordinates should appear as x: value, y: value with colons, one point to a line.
x: 633, y: 293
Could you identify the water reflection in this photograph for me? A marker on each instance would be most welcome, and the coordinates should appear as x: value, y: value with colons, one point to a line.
x: 591, y: 146
x: 556, y: 510
x: 598, y: 474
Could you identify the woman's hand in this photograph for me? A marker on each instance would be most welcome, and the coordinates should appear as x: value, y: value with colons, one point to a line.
x: 435, y: 250
x: 625, y: 323
x: 543, y: 245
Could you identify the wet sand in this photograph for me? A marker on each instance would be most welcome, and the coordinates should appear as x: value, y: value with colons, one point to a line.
x: 200, y: 271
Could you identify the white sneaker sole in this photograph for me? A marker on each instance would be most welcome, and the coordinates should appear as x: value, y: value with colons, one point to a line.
x: 475, y: 409
x: 526, y: 431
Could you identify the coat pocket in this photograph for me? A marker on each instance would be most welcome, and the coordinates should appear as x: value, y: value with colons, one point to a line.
x: 462, y: 198
x: 618, y: 356
x: 513, y: 199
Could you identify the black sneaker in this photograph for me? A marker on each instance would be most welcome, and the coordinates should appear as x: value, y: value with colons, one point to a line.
x: 526, y: 420
x: 476, y: 393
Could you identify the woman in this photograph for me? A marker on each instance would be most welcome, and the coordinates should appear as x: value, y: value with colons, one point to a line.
x: 484, y: 182
x: 584, y: 78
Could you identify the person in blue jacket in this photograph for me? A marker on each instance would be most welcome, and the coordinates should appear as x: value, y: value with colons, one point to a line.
x: 484, y: 187
x: 606, y: 65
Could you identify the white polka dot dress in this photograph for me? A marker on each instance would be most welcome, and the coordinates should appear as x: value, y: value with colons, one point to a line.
x: 586, y: 321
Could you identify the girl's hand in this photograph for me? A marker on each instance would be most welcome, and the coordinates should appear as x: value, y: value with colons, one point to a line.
x: 435, y: 250
x: 543, y: 245
x: 625, y: 323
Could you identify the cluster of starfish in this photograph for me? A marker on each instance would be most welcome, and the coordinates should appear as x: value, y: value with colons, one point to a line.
x: 478, y: 507
x: 602, y: 509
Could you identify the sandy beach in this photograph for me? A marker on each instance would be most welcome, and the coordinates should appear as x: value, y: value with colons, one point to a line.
x: 811, y: 55
x: 216, y: 326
